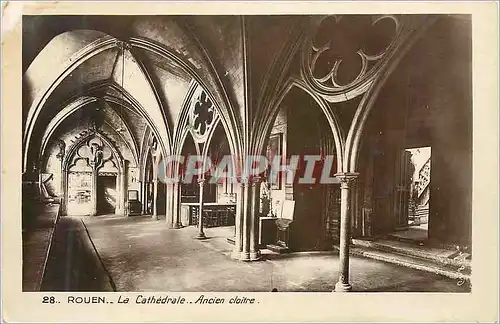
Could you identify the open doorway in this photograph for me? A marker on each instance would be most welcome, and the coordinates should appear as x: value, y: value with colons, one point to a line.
x: 305, y: 210
x: 79, y: 193
x: 106, y: 195
x: 414, y: 210
x: 418, y: 202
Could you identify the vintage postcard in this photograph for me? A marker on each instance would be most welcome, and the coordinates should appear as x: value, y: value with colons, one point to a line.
x: 249, y: 162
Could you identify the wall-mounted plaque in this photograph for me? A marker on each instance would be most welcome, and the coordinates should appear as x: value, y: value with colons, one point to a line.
x: 133, y: 195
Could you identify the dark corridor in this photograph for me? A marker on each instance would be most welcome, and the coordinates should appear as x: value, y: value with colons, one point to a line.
x: 106, y: 195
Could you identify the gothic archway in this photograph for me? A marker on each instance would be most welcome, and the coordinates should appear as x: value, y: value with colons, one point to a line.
x: 92, y: 156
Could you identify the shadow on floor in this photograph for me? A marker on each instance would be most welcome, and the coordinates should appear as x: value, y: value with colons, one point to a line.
x: 142, y: 254
x: 73, y: 263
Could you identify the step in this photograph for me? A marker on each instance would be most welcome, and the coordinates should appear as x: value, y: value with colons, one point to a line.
x: 411, y: 262
x: 446, y: 257
x: 277, y: 248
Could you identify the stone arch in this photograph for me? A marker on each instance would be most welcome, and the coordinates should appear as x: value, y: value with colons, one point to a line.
x: 72, y: 150
x: 102, y: 42
x: 120, y: 165
x: 183, y: 127
x: 71, y: 108
x: 69, y: 62
x: 228, y: 121
x: 206, y: 147
x: 145, y: 151
x: 354, y: 136
x: 338, y: 134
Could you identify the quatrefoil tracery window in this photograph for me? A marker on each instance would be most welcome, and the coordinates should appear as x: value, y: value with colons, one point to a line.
x: 93, y: 154
x: 202, y: 116
x: 343, y: 52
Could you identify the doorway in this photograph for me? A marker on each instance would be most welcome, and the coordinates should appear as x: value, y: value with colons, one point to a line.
x: 414, y: 207
x: 79, y: 193
x: 307, y: 133
x: 106, y: 194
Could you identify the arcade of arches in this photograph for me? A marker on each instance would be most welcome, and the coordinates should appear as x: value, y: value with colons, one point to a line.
x: 107, y: 99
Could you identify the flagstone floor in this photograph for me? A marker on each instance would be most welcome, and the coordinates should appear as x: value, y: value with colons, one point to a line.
x: 141, y: 254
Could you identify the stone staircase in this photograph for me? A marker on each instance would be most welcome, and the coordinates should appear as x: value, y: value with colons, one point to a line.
x: 450, y: 263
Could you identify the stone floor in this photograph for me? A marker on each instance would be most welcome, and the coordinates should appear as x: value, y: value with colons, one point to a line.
x: 141, y: 254
x: 412, y: 233
x: 36, y: 238
x: 73, y: 263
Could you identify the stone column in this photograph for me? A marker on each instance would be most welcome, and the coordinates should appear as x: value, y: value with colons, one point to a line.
x: 40, y: 185
x: 346, y: 182
x: 169, y: 204
x: 247, y: 218
x: 119, y: 195
x: 93, y: 193
x: 173, y: 204
x: 238, y: 220
x: 64, y: 195
x: 124, y: 196
x: 176, y: 204
x: 60, y: 156
x: 141, y: 193
x: 155, y: 198
x: 245, y: 253
x: 201, y: 234
x: 253, y: 218
x: 145, y: 197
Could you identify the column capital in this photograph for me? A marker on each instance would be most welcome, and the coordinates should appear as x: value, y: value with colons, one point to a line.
x: 346, y: 178
x: 173, y: 181
x: 201, y: 181
x: 255, y: 180
x: 242, y: 181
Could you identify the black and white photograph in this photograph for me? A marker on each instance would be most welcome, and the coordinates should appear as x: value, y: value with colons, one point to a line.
x: 245, y: 153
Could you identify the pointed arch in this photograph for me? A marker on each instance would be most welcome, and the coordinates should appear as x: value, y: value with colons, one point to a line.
x: 146, y: 138
x: 183, y: 120
x: 352, y: 145
x: 231, y: 126
x: 333, y: 122
x: 206, y: 147
x: 223, y: 109
x: 70, y: 64
x: 71, y: 108
x: 73, y: 149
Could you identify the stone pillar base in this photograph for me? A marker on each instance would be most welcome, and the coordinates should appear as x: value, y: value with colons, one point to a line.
x: 200, y: 236
x: 246, y: 256
x: 255, y: 256
x: 174, y: 226
x: 342, y: 287
x: 154, y: 217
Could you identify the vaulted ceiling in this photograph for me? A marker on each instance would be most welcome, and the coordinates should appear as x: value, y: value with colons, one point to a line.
x: 144, y: 70
x: 72, y: 62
